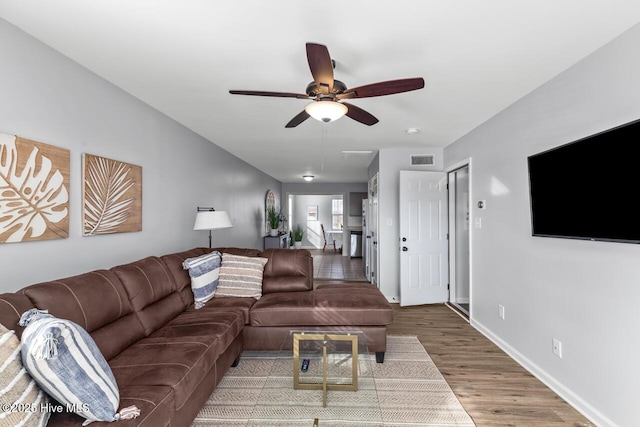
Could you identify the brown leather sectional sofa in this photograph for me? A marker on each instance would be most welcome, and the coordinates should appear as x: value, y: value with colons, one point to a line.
x: 168, y: 357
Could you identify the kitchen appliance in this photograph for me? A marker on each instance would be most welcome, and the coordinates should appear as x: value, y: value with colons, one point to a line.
x: 355, y: 248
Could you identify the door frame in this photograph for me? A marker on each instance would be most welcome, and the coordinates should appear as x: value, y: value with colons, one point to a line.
x: 452, y: 248
x: 288, y: 206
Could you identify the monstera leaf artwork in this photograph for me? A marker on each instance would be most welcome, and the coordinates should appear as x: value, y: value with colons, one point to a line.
x: 112, y: 196
x: 34, y: 190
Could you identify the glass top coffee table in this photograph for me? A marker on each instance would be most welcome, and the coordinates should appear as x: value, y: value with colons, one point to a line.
x: 336, y: 386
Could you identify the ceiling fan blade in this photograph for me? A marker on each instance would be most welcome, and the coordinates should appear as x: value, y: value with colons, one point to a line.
x: 360, y: 115
x: 298, y: 119
x: 383, y: 88
x: 274, y: 94
x: 321, y: 66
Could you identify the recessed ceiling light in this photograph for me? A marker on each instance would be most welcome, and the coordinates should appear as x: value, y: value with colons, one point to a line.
x: 413, y: 131
x: 308, y: 178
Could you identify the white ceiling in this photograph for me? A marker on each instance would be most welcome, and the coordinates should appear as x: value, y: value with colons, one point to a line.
x: 183, y: 56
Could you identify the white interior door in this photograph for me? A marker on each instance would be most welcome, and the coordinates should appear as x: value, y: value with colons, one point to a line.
x: 423, y: 238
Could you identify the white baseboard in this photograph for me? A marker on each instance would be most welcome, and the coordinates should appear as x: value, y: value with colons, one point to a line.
x: 560, y: 389
x: 462, y: 300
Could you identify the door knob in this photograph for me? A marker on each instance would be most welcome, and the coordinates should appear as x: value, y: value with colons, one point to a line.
x: 405, y: 249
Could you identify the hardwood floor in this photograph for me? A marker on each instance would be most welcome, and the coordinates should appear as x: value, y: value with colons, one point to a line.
x: 494, y: 389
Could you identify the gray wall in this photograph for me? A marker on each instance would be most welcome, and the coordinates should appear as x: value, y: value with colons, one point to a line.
x: 48, y: 98
x: 581, y: 292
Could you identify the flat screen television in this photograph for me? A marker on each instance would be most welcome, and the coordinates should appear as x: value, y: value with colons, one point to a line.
x: 588, y: 189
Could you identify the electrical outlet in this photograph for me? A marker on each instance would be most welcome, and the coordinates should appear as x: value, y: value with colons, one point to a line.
x: 501, y: 311
x: 557, y: 348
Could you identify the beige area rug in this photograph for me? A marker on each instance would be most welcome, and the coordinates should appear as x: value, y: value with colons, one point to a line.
x: 406, y: 390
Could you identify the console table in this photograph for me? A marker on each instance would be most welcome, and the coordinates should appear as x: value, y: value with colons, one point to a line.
x: 281, y: 241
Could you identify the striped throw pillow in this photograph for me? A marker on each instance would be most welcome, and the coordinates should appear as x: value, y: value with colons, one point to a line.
x: 204, y: 271
x: 22, y: 403
x: 240, y: 276
x: 66, y: 363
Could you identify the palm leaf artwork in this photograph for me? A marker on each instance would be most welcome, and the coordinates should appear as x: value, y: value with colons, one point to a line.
x: 107, y: 201
x: 34, y: 195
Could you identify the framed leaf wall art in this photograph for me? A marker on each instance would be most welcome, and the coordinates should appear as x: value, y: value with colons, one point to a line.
x: 111, y: 196
x: 34, y: 190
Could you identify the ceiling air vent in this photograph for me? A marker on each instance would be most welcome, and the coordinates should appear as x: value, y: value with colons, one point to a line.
x: 422, y: 160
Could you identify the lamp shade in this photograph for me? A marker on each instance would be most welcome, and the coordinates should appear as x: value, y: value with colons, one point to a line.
x: 212, y: 220
x: 326, y: 111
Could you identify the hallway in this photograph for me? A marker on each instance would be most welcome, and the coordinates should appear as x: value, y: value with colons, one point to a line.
x: 331, y: 265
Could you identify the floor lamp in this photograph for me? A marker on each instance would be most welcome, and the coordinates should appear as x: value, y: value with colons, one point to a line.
x: 211, y: 219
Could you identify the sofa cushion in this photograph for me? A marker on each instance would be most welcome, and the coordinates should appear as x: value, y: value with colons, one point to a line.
x: 181, y: 278
x: 97, y: 301
x: 17, y: 387
x: 283, y: 309
x: 239, y: 251
x: 156, y: 403
x: 12, y: 305
x: 204, y: 271
x: 357, y: 306
x: 153, y: 293
x: 230, y: 303
x: 240, y: 276
x: 180, y: 354
x: 288, y: 270
x: 357, y: 303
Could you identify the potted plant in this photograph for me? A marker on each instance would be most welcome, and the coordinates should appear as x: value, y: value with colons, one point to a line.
x: 297, y: 236
x: 273, y: 217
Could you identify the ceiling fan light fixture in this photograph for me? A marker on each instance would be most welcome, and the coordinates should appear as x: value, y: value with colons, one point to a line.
x: 326, y: 111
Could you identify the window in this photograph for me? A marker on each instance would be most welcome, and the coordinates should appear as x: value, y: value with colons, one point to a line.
x: 336, y: 214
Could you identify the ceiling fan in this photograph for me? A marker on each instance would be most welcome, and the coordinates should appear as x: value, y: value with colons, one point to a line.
x: 328, y: 94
